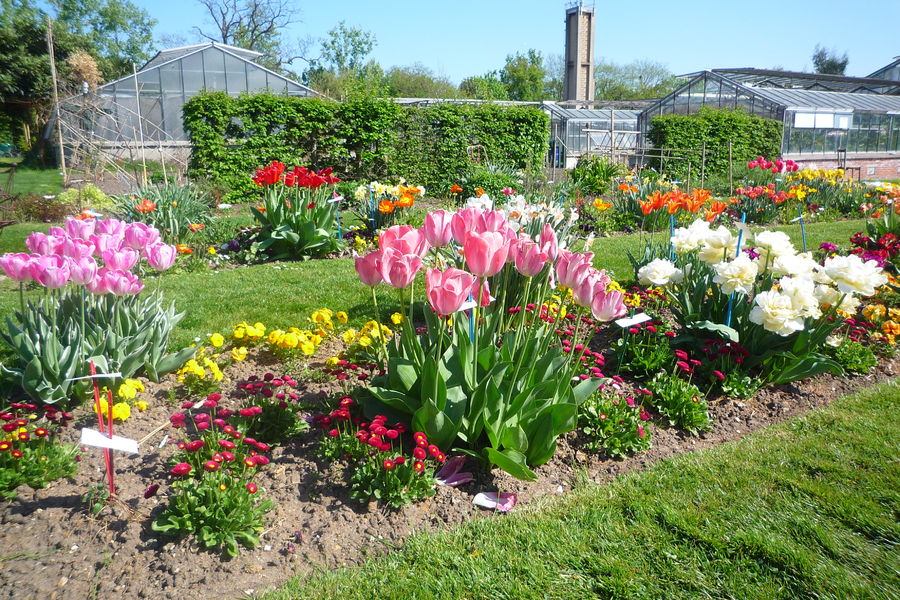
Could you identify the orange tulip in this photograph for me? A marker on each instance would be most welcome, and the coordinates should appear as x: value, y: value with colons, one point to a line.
x: 599, y: 204
x: 455, y: 189
x: 479, y: 192
x: 183, y: 249
x: 657, y: 200
x: 646, y: 207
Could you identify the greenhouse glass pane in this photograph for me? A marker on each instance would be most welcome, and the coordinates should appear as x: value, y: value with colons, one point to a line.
x: 235, y: 75
x: 275, y: 84
x: 192, y: 71
x: 214, y: 69
x: 256, y: 79
x: 148, y: 83
x: 151, y: 118
x: 173, y: 99
x: 711, y: 97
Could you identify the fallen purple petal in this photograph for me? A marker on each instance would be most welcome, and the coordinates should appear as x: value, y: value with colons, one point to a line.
x: 451, y: 467
x: 489, y: 500
x: 455, y: 480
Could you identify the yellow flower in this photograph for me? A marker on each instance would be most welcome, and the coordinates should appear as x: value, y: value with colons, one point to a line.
x: 600, y: 205
x: 365, y: 341
x: 239, y: 354
x: 211, y: 250
x: 342, y: 317
x: 348, y: 336
x: 396, y: 318
x: 216, y: 340
x: 121, y: 411
x: 307, y: 348
x: 140, y: 405
x: 289, y: 340
x: 874, y: 312
x: 332, y: 361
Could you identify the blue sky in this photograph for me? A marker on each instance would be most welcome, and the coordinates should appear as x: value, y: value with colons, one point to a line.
x: 469, y: 37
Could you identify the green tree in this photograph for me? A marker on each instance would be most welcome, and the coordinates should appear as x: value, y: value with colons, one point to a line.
x: 633, y: 81
x: 554, y: 76
x: 418, y: 81
x: 484, y: 87
x: 523, y: 76
x: 116, y: 32
x: 828, y: 62
x: 346, y: 48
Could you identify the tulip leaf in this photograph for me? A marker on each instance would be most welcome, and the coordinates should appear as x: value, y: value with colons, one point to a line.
x: 512, y: 462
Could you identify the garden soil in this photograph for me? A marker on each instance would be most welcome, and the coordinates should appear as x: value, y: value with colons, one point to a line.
x: 52, y: 547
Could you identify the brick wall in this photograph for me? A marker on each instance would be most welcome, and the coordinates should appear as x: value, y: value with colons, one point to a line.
x: 874, y: 167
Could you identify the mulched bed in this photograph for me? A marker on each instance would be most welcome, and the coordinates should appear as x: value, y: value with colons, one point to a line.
x: 52, y: 547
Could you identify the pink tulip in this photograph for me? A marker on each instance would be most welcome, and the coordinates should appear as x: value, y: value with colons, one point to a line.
x: 57, y: 231
x: 139, y: 235
x: 82, y: 271
x: 486, y: 252
x: 80, y: 229
x: 50, y: 271
x: 123, y: 283
x: 508, y: 191
x: 123, y: 259
x: 404, y: 238
x: 397, y: 269
x: 528, y: 258
x: 104, y: 242
x: 493, y: 220
x: 608, y: 305
x: 752, y: 164
x: 160, y: 256
x: 437, y: 228
x: 110, y: 227
x: 369, y: 268
x: 99, y: 284
x: 549, y: 243
x: 573, y: 267
x: 76, y: 248
x: 593, y: 283
x: 40, y: 243
x: 462, y: 222
x: 447, y: 291
x: 16, y: 266
x: 495, y: 501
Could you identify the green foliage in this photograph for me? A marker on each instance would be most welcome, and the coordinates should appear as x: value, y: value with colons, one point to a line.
x: 492, y: 178
x: 828, y: 62
x: 418, y: 81
x: 39, y: 209
x: 523, y: 76
x: 750, y: 136
x: 176, y: 208
x: 854, y: 356
x: 680, y: 401
x: 485, y: 87
x: 362, y: 139
x: 633, y: 81
x: 644, y: 349
x: 30, y: 455
x: 614, y: 422
x: 88, y: 196
x: 124, y: 334
x: 593, y: 174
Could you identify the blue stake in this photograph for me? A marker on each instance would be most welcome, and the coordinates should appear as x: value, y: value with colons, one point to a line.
x: 372, y: 207
x: 671, y: 235
x: 802, y: 226
x: 471, y: 312
x: 736, y: 254
x: 340, y: 232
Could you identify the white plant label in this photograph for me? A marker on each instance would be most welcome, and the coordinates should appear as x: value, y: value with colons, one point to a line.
x: 92, y: 437
x: 632, y: 321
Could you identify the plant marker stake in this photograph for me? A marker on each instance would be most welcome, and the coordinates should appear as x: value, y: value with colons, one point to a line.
x: 562, y: 199
x: 372, y: 207
x: 736, y: 254
x: 109, y: 428
x: 107, y: 453
x: 471, y: 312
x: 671, y: 235
x: 802, y: 226
x: 340, y: 233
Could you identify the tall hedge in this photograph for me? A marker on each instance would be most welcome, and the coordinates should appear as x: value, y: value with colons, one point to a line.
x: 750, y: 137
x: 365, y: 139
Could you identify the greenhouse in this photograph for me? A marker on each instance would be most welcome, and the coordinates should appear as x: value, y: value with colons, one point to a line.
x: 864, y: 118
x: 578, y: 131
x: 146, y: 106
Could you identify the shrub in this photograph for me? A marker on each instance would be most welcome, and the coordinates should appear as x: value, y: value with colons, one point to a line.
x: 491, y: 179
x: 87, y: 196
x: 177, y: 211
x: 34, y: 208
x: 593, y: 174
x: 680, y: 401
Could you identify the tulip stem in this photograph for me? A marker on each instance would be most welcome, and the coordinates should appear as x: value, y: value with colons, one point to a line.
x: 22, y: 297
x: 380, y: 332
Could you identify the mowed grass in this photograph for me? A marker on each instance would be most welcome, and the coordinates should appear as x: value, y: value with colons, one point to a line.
x: 27, y: 180
x: 805, y: 509
x: 282, y: 295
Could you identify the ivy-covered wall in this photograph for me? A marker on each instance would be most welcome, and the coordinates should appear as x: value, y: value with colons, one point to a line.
x: 366, y: 139
x: 750, y: 137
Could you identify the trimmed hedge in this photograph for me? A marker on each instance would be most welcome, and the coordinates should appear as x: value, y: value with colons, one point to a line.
x: 366, y: 139
x: 750, y: 137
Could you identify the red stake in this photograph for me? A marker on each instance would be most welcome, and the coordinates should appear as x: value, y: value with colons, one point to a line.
x: 107, y: 453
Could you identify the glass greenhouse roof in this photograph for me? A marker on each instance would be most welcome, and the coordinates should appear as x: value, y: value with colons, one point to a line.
x: 838, y: 101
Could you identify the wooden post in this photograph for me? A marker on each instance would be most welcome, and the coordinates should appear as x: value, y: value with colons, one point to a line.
x: 730, y: 170
x: 137, y: 99
x: 62, y: 152
x: 703, y: 165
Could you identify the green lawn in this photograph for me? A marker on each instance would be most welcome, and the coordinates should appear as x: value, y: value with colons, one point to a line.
x: 285, y: 294
x: 31, y: 181
x: 806, y: 509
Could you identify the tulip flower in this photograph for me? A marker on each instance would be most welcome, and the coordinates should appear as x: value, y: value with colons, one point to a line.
x: 122, y: 283
x: 112, y: 227
x: 75, y: 248
x: 481, y: 292
x: 492, y: 500
x: 106, y: 242
x: 50, y: 271
x: 528, y: 258
x: 462, y: 222
x: 549, y: 243
x: 83, y: 270
x: 593, y: 283
x: 80, y: 229
x: 449, y: 474
x: 123, y: 259
x: 404, y: 238
x: 98, y: 285
x: 397, y: 269
x: 437, y: 228
x: 160, y: 256
x: 493, y: 220
x: 573, y: 267
x: 368, y: 267
x: 16, y: 265
x: 447, y: 291
x: 608, y: 305
x: 486, y: 252
x: 40, y: 243
x: 139, y: 235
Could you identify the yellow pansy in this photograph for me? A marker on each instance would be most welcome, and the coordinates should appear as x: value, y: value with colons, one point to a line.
x: 216, y: 340
x: 141, y: 405
x: 342, y: 317
x: 396, y: 318
x: 239, y: 354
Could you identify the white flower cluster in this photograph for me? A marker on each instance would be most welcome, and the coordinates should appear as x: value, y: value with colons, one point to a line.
x: 379, y: 189
x: 801, y: 287
x: 521, y: 214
